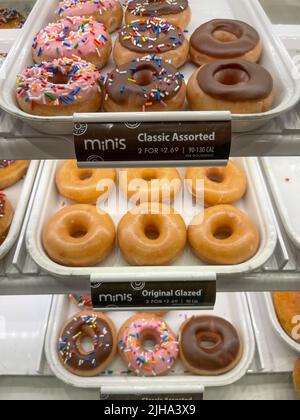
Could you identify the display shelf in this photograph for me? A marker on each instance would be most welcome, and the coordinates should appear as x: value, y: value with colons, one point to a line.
x: 280, y: 137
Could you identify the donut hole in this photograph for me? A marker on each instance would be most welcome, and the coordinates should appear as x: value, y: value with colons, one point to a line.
x: 85, y: 175
x: 152, y: 232
x: 149, y: 341
x: 78, y: 231
x: 59, y: 78
x: 149, y: 176
x: 215, y: 175
x: 224, y: 36
x: 85, y: 344
x: 143, y: 76
x: 223, y: 232
x: 208, y: 340
x: 231, y: 76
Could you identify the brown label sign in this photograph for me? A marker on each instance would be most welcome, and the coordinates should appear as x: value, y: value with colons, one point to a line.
x: 184, y: 142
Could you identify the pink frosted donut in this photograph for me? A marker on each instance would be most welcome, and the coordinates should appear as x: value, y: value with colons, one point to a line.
x: 72, y: 37
x: 143, y: 362
x: 109, y: 12
x: 59, y: 87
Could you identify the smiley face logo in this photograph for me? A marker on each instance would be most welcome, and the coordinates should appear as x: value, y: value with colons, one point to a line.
x: 80, y: 129
x: 133, y: 126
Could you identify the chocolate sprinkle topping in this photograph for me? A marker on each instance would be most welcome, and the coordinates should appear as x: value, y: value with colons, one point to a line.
x: 5, y: 163
x: 7, y: 15
x: 157, y: 8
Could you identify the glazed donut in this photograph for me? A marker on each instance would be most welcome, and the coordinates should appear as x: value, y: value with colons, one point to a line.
x: 237, y: 86
x: 152, y: 235
x: 150, y: 184
x: 84, y: 186
x: 78, y: 36
x: 145, y: 84
x: 6, y: 216
x: 11, y: 19
x: 82, y: 301
x: 222, y: 39
x: 223, y: 235
x: 59, y: 87
x: 108, y: 12
x: 86, y: 327
x: 287, y: 307
x: 221, y: 185
x: 131, y: 345
x: 11, y: 171
x: 79, y: 236
x: 209, y: 346
x: 176, y: 12
x: 296, y: 377
x: 151, y: 36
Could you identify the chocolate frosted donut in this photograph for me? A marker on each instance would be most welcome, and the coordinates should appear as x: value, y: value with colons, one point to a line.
x: 225, y: 39
x: 99, y: 330
x: 151, y: 36
x: 209, y: 345
x: 11, y: 18
x: 177, y: 12
x: 235, y: 85
x: 146, y: 84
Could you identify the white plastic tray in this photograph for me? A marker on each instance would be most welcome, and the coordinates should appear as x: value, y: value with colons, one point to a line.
x: 275, y: 59
x: 49, y: 201
x: 273, y: 354
x: 232, y: 307
x: 276, y: 324
x: 284, y: 178
x: 23, y: 324
x: 18, y: 195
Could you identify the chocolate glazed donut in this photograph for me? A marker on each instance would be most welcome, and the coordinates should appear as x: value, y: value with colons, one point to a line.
x: 100, y: 330
x: 157, y: 8
x: 176, y: 12
x: 225, y: 39
x: 210, y: 346
x: 151, y: 36
x: 147, y: 84
x: 235, y: 85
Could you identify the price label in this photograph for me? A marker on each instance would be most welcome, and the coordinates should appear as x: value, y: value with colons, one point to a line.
x: 154, y: 295
x: 168, y: 143
x: 199, y: 396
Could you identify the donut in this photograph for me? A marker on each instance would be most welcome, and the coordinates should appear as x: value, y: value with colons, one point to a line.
x: 132, y: 339
x: 145, y: 84
x: 87, y: 344
x: 209, y: 346
x: 222, y: 39
x: 11, y: 171
x: 84, y: 186
x: 176, y: 12
x: 152, y: 235
x: 108, y: 12
x: 151, y: 36
x: 6, y: 216
x: 150, y: 184
x: 79, y: 236
x: 221, y: 185
x: 82, y: 301
x: 59, y: 87
x: 77, y: 36
x: 231, y: 85
x: 296, y: 377
x: 287, y: 307
x: 223, y: 235
x: 11, y: 19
